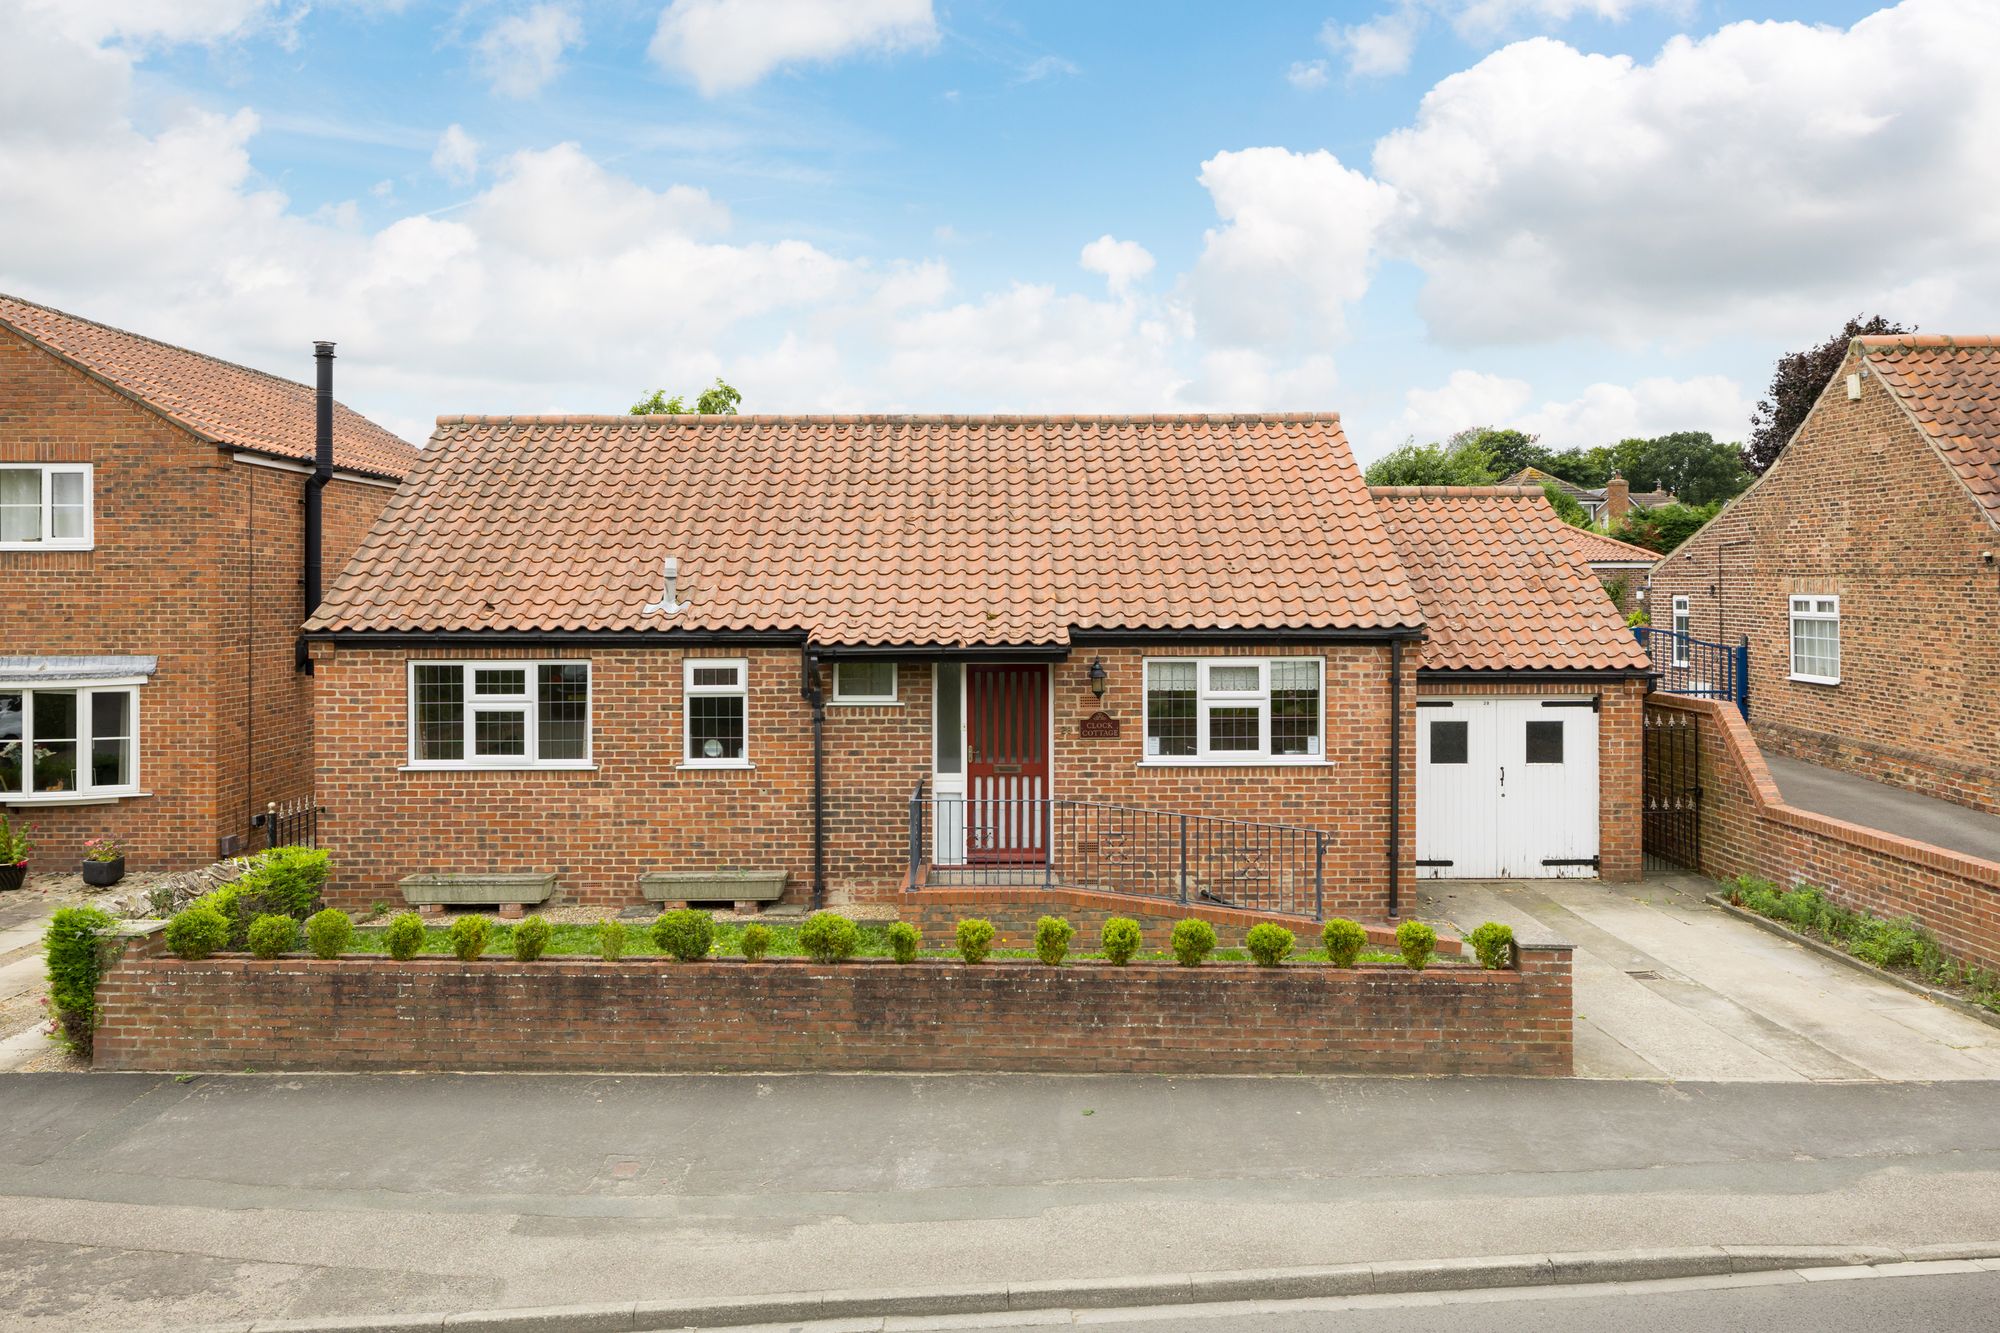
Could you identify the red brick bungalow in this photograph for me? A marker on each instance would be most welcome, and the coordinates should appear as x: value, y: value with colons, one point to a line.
x: 862, y: 654
x: 155, y: 567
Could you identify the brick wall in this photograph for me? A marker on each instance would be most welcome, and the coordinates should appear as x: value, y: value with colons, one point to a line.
x: 1747, y: 829
x: 1861, y: 506
x: 234, y: 1013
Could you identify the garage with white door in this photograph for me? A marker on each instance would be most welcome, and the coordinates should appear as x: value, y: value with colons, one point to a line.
x: 1507, y: 787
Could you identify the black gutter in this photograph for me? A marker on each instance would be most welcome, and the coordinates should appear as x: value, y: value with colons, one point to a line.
x: 815, y: 694
x: 1390, y: 634
x: 316, y: 485
x: 377, y: 638
x: 1395, y: 776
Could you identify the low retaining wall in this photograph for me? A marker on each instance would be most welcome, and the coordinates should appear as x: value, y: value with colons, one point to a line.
x: 231, y: 1013
x: 1748, y: 829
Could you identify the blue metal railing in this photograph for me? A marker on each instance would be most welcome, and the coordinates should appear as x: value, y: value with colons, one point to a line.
x: 1696, y: 667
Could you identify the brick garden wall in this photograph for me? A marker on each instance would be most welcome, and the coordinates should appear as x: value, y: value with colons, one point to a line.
x: 232, y: 1013
x: 1747, y: 829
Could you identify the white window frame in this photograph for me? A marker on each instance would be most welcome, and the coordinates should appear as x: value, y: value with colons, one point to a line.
x: 846, y: 698
x: 690, y: 690
x: 525, y: 704
x: 1681, y: 627
x: 49, y: 541
x: 1806, y: 606
x: 84, y: 791
x: 1208, y: 698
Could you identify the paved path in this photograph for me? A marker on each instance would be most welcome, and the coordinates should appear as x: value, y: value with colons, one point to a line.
x: 1877, y: 805
x: 23, y: 972
x: 1669, y: 987
x: 135, y: 1200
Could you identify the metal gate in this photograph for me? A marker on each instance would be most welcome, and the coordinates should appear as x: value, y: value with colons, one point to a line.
x: 293, y: 823
x: 1673, y: 789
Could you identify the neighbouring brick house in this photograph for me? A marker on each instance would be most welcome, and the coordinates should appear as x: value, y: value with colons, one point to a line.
x: 1605, y: 504
x: 1862, y: 569
x: 1621, y: 567
x: 863, y: 654
x: 152, y: 558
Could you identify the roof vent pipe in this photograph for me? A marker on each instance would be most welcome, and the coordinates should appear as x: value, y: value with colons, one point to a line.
x: 322, y: 473
x: 670, y: 571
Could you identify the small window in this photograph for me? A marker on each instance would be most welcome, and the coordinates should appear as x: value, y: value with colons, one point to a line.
x: 948, y: 713
x: 864, y: 682
x: 1233, y: 709
x: 1683, y: 621
x: 72, y: 742
x: 1448, y: 742
x: 500, y: 715
x: 717, y: 714
x: 1545, y: 742
x: 1816, y: 639
x: 45, y: 507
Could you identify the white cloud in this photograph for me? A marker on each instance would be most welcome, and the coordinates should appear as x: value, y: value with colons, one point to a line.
x: 456, y: 157
x: 1386, y: 43
x: 523, y: 53
x: 1600, y: 414
x: 727, y: 45
x: 1382, y: 45
x: 1121, y: 262
x: 165, y: 22
x: 1306, y: 75
x: 1047, y: 67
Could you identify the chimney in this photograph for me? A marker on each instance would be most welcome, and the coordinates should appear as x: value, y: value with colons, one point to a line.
x: 1617, y: 499
x: 322, y: 473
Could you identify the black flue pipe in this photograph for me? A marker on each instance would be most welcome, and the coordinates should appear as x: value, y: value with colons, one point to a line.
x: 316, y: 484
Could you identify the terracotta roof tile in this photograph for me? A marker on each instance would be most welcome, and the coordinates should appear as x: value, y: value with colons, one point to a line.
x: 217, y: 400
x: 1596, y: 548
x: 1951, y: 385
x: 880, y: 529
x: 1503, y: 583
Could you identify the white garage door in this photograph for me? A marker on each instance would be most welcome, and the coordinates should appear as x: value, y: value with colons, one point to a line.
x: 1506, y: 788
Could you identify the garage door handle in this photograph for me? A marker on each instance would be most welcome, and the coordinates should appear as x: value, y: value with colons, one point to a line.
x: 1503, y: 777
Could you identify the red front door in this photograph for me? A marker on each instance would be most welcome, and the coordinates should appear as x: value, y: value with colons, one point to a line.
x: 1007, y: 764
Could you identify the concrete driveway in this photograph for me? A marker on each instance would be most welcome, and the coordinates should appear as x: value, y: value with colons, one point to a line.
x: 1669, y: 987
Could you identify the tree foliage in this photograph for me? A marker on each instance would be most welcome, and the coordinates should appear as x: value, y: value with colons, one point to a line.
x: 1566, y: 507
x: 1464, y: 463
x: 1664, y: 528
x: 720, y: 401
x: 1795, y: 387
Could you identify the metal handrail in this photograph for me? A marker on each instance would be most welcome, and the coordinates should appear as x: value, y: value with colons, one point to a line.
x: 1698, y: 668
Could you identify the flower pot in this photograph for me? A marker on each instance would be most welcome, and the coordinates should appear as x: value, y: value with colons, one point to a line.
x: 13, y: 876
x: 103, y: 874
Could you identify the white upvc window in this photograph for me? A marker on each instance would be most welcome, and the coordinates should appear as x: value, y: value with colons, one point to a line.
x: 500, y: 713
x: 1234, y: 710
x: 45, y: 507
x: 1682, y: 627
x: 716, y: 713
x: 76, y: 742
x: 864, y: 682
x: 1816, y: 639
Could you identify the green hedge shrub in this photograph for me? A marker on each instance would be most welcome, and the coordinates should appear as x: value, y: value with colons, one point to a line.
x: 1121, y: 939
x: 829, y: 937
x: 404, y: 936
x: 975, y: 939
x: 1269, y: 943
x: 330, y: 933
x: 1418, y: 942
x: 1194, y: 941
x: 1052, y: 937
x: 685, y: 933
x: 1343, y: 940
x: 755, y: 941
x: 611, y: 937
x: 531, y: 939
x: 197, y: 931
x: 288, y: 880
x: 1494, y: 943
x: 904, y: 941
x: 468, y: 936
x: 76, y: 950
x: 273, y: 936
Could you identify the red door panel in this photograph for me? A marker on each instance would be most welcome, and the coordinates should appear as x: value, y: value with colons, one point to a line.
x: 1006, y: 764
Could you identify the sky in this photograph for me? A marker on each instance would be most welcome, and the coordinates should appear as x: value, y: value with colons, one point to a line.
x: 1591, y: 219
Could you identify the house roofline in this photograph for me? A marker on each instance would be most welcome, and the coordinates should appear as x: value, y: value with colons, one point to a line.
x: 668, y: 638
x: 885, y: 419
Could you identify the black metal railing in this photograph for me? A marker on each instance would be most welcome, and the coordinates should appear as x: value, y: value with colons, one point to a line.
x: 1696, y: 667
x: 1162, y: 854
x: 293, y: 823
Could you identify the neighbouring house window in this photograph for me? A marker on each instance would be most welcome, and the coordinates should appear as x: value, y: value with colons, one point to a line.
x: 1683, y: 620
x: 69, y: 742
x: 500, y: 714
x: 864, y: 682
x: 718, y: 705
x: 1233, y: 709
x: 45, y: 507
x: 1816, y: 639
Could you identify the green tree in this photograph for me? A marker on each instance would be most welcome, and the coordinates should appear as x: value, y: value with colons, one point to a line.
x: 1691, y: 464
x: 1579, y: 467
x: 1664, y: 528
x: 1795, y: 387
x: 721, y: 401
x: 1566, y: 507
x: 1507, y: 450
x: 1464, y: 463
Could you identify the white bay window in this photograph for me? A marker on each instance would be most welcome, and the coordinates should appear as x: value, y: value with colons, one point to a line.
x: 68, y: 743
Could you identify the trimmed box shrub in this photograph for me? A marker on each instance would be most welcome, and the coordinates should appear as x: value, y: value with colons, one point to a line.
x: 1120, y: 939
x: 755, y: 941
x: 1418, y: 942
x: 904, y: 941
x: 75, y: 948
x: 829, y: 937
x: 531, y: 939
x: 1494, y: 943
x: 1193, y: 942
x: 468, y: 937
x: 288, y: 880
x: 197, y: 931
x: 404, y: 936
x: 611, y: 939
x: 1052, y: 937
x: 330, y: 933
x: 273, y: 936
x: 1269, y: 943
x: 975, y: 939
x: 1343, y: 940
x: 685, y: 933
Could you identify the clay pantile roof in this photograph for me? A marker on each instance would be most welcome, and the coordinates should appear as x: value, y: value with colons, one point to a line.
x: 1502, y: 583
x: 1951, y: 387
x: 1596, y: 548
x: 1535, y: 477
x: 220, y: 401
x: 880, y: 530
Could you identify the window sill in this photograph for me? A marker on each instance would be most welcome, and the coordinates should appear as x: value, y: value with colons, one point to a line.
x: 864, y: 703
x: 497, y: 768
x: 1814, y: 680
x: 48, y: 546
x: 720, y: 766
x: 1261, y: 761
x: 73, y: 798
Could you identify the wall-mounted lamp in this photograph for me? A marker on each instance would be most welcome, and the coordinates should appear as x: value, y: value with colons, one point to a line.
x: 1098, y: 677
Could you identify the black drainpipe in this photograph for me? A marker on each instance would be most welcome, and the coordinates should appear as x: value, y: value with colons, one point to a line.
x: 815, y: 695
x: 322, y: 473
x: 1395, y: 773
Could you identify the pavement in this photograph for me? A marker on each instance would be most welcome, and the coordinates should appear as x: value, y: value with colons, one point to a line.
x: 1876, y: 805
x: 1667, y: 986
x: 142, y: 1201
